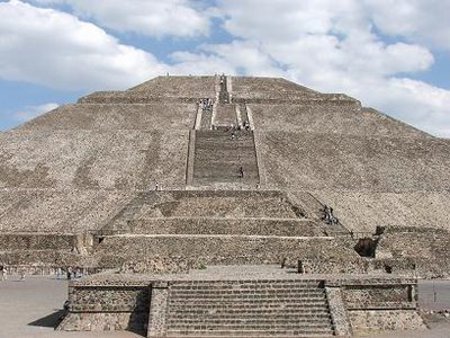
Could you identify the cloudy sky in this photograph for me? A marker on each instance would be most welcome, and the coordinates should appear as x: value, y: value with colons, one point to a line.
x: 393, y: 55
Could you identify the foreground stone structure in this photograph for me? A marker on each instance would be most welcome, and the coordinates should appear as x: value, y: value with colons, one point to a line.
x: 216, y: 304
x: 183, y: 173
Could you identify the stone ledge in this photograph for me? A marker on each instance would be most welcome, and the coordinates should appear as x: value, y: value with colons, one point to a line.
x: 370, y: 281
x: 382, y: 306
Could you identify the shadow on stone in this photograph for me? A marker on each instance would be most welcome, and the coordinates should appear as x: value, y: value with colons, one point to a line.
x: 51, y: 320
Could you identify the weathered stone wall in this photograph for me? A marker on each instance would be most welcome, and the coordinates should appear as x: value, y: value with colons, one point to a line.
x: 264, y: 88
x: 106, y: 307
x: 370, y: 296
x: 108, y: 302
x: 333, y: 162
x: 321, y: 254
x: 328, y: 117
x: 334, y: 265
x: 108, y: 298
x: 33, y: 241
x: 213, y: 205
x: 380, y: 303
x: 176, y: 86
x: 224, y: 226
x: 91, y: 159
x: 46, y: 258
x: 58, y: 211
x: 426, y: 249
x: 376, y: 320
x: 101, y: 321
x: 114, y: 117
x: 365, y: 210
x: 47, y: 270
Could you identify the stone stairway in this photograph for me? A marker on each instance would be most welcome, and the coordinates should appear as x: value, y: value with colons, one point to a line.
x: 224, y: 96
x: 207, y: 111
x: 219, y: 157
x: 244, y: 114
x: 252, y: 308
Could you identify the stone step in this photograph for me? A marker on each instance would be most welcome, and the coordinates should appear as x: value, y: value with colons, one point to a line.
x: 235, y: 315
x: 224, y: 132
x: 251, y: 282
x: 218, y: 292
x: 224, y: 170
x: 293, y: 302
x: 227, y: 169
x: 224, y: 150
x: 277, y: 227
x: 223, y: 313
x: 244, y: 300
x: 206, y: 178
x: 223, y: 166
x: 250, y: 307
x: 236, y: 147
x: 231, y: 249
x: 242, y: 155
x: 253, y: 289
x: 224, y: 143
x: 299, y: 333
x: 249, y: 311
x: 233, y: 325
x: 244, y: 285
x: 257, y: 326
x: 223, y: 136
x: 234, y: 162
x: 300, y: 294
x: 219, y: 285
x: 219, y: 156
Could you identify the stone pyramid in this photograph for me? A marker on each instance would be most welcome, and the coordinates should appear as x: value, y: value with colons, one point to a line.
x: 182, y: 171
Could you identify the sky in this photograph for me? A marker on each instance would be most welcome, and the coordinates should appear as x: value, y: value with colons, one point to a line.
x: 392, y: 55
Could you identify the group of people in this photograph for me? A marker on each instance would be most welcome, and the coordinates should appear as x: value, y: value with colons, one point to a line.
x: 328, y: 216
x: 69, y: 272
x: 3, y: 273
x: 206, y: 104
x: 245, y: 126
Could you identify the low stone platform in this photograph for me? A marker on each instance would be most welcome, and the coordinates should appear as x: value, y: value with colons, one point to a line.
x: 227, y: 301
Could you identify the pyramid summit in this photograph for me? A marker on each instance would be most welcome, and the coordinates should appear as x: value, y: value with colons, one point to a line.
x: 185, y: 172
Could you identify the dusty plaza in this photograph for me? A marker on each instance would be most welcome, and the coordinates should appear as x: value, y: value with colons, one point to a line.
x: 223, y: 206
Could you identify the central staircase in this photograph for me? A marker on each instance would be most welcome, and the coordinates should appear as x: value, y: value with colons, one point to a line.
x: 220, y: 155
x: 252, y: 308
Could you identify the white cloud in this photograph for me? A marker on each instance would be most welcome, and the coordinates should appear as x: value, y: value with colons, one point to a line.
x: 157, y: 18
x: 34, y: 111
x: 332, y: 46
x: 423, y: 21
x: 328, y: 45
x: 55, y: 49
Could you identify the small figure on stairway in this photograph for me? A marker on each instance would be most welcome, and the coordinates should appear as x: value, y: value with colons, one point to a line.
x: 328, y: 216
x: 246, y: 125
x: 156, y: 186
x: 241, y: 172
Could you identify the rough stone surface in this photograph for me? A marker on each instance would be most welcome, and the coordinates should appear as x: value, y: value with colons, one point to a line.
x: 212, y: 292
x: 338, y: 311
x: 385, y: 320
x: 158, y: 310
x: 188, y: 172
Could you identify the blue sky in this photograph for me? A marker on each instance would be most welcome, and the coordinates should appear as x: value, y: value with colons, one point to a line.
x: 393, y: 55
